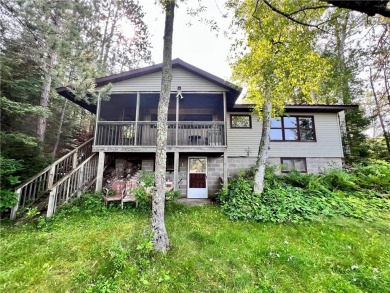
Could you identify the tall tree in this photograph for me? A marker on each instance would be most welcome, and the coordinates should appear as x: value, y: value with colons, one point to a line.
x: 280, y: 65
x: 160, y: 235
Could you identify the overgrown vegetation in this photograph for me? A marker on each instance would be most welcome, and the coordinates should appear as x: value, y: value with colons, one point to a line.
x: 362, y: 192
x: 89, y: 248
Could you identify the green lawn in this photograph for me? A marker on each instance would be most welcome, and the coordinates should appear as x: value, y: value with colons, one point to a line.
x: 110, y: 253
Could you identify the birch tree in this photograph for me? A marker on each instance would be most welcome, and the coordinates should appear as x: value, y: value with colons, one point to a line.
x: 278, y: 64
x: 160, y: 235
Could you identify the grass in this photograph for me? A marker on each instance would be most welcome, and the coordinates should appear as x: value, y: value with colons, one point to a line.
x: 84, y: 252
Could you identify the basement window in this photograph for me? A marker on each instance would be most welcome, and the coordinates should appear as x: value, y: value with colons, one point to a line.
x: 240, y: 121
x: 294, y: 164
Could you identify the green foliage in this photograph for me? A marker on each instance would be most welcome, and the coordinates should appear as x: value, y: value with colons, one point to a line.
x: 279, y: 63
x: 172, y: 195
x: 147, y: 178
x: 377, y: 148
x: 88, y: 203
x: 359, y: 193
x: 8, y: 169
x: 143, y: 196
x: 25, y: 150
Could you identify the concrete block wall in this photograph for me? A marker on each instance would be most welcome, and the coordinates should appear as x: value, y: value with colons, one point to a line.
x: 235, y: 165
x: 319, y: 165
x: 147, y: 165
x: 214, y: 175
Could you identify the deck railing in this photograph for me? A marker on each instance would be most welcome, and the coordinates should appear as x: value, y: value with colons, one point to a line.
x: 30, y: 191
x: 183, y: 133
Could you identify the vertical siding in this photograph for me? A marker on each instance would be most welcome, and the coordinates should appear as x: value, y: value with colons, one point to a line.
x: 328, y: 142
x: 152, y: 83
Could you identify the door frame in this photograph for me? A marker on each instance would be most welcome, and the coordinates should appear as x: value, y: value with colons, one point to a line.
x: 188, y: 176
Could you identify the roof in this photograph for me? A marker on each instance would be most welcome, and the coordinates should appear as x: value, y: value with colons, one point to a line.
x: 232, y: 93
x: 317, y: 108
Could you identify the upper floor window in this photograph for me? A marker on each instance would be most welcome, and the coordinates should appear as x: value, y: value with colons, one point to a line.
x: 293, y: 128
x: 241, y: 121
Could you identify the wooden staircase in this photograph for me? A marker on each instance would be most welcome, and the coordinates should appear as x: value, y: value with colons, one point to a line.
x: 66, y: 178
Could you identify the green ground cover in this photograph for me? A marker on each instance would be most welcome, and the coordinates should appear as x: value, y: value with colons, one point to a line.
x: 87, y: 250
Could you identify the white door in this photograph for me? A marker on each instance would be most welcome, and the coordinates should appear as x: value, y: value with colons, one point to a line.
x: 197, y: 177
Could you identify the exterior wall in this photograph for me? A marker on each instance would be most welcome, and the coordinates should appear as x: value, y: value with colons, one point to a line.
x: 152, y: 83
x: 328, y: 139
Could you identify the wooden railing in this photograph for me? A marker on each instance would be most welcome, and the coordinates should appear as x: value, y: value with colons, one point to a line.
x: 30, y: 191
x: 73, y: 184
x: 183, y: 133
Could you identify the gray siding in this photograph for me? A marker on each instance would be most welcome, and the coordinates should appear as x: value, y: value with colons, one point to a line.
x: 328, y: 142
x: 152, y: 83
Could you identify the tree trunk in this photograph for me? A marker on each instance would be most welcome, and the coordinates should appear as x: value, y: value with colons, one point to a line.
x: 160, y: 235
x: 59, y: 129
x: 263, y: 147
x: 341, y: 36
x: 45, y: 94
x: 378, y: 110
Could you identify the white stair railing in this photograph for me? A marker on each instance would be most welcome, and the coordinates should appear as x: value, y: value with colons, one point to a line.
x: 73, y: 184
x: 30, y: 191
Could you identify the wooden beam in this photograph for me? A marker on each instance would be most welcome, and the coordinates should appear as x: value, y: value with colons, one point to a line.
x: 99, y: 175
x: 176, y: 171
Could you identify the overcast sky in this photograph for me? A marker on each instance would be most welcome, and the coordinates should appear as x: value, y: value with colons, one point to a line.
x: 194, y: 44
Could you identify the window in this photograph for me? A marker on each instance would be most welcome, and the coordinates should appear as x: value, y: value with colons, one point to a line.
x: 240, y: 121
x: 293, y: 128
x: 290, y: 164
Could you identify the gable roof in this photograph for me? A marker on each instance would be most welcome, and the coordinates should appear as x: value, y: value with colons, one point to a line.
x: 232, y: 91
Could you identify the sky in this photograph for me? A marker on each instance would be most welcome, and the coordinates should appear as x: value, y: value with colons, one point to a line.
x: 195, y: 44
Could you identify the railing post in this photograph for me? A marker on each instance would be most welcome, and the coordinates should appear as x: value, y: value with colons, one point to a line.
x: 81, y: 181
x: 16, y: 207
x: 75, y: 159
x: 52, y: 202
x: 50, y: 180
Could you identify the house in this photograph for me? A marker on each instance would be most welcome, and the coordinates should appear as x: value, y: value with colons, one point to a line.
x: 210, y: 137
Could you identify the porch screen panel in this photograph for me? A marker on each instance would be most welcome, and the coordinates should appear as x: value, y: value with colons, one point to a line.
x: 120, y: 107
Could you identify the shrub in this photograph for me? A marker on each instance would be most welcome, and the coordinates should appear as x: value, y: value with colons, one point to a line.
x: 295, y: 197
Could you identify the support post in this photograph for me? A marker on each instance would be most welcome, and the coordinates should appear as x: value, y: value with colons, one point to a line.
x: 225, y: 171
x: 97, y: 117
x: 224, y: 120
x: 177, y: 120
x: 80, y: 186
x: 50, y: 180
x: 176, y: 171
x: 52, y: 202
x: 136, y: 119
x: 16, y: 207
x: 75, y: 159
x: 99, y: 175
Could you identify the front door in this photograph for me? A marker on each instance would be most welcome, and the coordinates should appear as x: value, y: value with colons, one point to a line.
x: 197, y: 177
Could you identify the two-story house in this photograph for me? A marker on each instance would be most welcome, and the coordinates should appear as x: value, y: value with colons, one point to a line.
x: 210, y: 137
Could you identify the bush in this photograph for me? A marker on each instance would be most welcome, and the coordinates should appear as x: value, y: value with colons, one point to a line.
x: 358, y: 193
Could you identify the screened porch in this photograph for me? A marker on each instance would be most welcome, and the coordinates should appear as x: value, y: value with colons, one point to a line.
x: 194, y: 119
